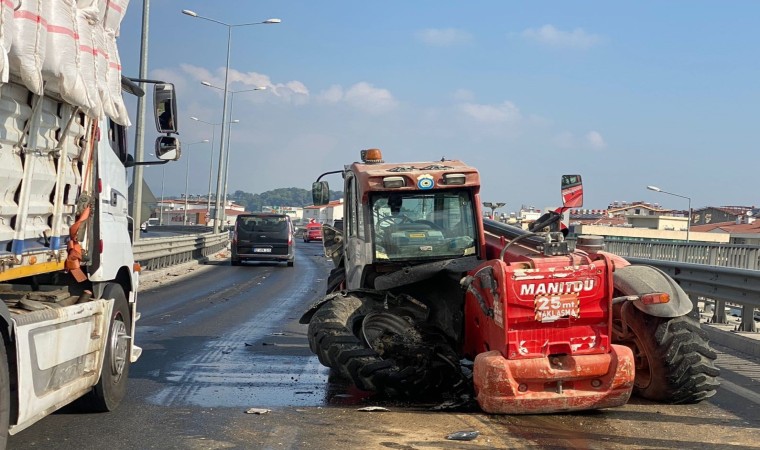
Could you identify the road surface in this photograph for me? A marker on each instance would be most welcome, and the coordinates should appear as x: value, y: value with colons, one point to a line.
x: 227, y: 339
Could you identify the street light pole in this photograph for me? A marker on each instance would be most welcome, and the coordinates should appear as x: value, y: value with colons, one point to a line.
x: 688, y: 223
x: 211, y: 162
x: 161, y: 209
x: 229, y: 132
x: 217, y: 212
x: 187, y: 177
x: 137, y: 172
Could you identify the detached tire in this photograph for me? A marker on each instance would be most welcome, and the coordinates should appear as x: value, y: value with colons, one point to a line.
x: 112, y: 386
x: 674, y: 362
x: 5, y: 393
x: 333, y: 338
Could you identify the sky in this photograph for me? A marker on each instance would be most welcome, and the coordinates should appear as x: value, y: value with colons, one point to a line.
x: 627, y: 94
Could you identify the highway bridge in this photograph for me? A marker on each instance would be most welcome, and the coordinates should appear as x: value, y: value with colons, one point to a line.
x: 219, y: 340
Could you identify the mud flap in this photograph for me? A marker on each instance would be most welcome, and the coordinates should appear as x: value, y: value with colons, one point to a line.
x: 554, y: 384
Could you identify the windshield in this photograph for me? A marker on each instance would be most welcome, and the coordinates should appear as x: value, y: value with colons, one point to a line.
x: 416, y: 225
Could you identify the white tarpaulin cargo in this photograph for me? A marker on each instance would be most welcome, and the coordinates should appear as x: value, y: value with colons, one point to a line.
x: 67, y: 47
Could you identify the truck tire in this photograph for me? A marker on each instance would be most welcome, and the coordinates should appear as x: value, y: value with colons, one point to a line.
x: 112, y: 386
x: 674, y: 361
x: 333, y: 337
x: 5, y: 394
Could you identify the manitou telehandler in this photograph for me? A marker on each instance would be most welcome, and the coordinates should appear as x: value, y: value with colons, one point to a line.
x: 423, y: 284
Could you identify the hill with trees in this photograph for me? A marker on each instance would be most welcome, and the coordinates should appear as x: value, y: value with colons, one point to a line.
x: 278, y: 197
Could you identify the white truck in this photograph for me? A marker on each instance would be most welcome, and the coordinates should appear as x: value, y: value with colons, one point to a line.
x: 68, y: 280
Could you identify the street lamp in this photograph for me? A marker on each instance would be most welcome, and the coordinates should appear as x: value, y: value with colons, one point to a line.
x: 211, y: 161
x: 494, y: 207
x: 137, y: 173
x: 229, y: 132
x: 217, y: 218
x: 688, y: 223
x: 187, y: 176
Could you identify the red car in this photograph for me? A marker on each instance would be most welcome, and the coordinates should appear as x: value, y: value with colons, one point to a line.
x: 313, y: 232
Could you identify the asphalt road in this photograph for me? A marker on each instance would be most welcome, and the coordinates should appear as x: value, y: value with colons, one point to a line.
x: 227, y: 339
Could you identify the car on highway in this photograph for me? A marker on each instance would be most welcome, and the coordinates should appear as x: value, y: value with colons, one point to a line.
x: 262, y: 237
x: 312, y: 232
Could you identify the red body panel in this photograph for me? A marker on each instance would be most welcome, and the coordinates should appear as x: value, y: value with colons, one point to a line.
x: 543, y: 385
x: 540, y: 328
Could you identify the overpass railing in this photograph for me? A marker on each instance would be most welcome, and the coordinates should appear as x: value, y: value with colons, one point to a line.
x: 712, y: 254
x: 721, y: 273
x: 157, y: 253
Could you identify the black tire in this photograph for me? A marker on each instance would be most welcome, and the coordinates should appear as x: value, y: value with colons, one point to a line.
x: 290, y: 263
x: 5, y: 393
x: 112, y: 386
x: 674, y: 361
x: 333, y: 338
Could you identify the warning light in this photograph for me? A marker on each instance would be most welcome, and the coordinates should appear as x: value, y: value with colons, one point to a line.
x: 372, y: 156
x: 655, y: 298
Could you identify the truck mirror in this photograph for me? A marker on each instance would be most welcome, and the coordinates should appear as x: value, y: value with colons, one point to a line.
x: 165, y: 107
x: 320, y: 193
x: 167, y: 148
x: 572, y: 191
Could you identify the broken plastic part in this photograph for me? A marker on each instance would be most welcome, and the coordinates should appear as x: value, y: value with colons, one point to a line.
x: 463, y: 436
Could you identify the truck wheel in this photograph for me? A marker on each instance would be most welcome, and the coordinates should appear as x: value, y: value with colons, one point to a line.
x: 5, y: 393
x: 112, y: 386
x: 674, y: 362
x: 333, y: 337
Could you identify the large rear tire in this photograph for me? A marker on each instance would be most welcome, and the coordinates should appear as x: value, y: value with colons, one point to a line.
x: 112, y: 386
x: 334, y: 337
x: 674, y: 361
x: 5, y: 394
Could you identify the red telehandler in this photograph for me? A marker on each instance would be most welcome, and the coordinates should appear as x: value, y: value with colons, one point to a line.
x: 422, y: 284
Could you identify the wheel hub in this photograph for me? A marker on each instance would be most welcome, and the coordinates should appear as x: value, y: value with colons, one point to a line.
x: 119, y: 348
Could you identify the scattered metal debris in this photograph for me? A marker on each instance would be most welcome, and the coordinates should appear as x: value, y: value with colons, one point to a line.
x: 373, y: 409
x: 258, y: 411
x: 463, y: 435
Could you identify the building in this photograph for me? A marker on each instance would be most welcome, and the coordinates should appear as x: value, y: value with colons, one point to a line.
x: 294, y: 212
x: 744, y: 230
x: 719, y: 214
x: 326, y: 214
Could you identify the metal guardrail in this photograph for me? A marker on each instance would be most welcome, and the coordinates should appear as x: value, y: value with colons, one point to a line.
x: 718, y: 272
x: 722, y: 255
x: 157, y: 253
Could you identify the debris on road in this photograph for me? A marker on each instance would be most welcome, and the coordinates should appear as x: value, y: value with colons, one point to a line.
x: 373, y: 409
x: 258, y: 411
x: 463, y: 436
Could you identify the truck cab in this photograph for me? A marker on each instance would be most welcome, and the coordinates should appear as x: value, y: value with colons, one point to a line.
x: 400, y: 215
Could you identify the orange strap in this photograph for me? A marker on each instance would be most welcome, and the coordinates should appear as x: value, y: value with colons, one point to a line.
x: 74, y: 248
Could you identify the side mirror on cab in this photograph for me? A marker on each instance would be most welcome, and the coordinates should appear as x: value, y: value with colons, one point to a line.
x: 165, y: 107
x: 167, y: 148
x: 572, y: 191
x: 320, y: 193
